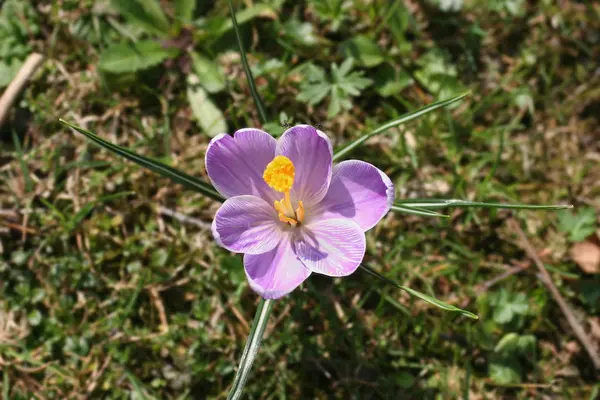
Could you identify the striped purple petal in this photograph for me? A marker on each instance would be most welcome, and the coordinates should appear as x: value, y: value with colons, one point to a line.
x: 311, y: 152
x: 333, y: 247
x: 247, y: 224
x: 275, y: 273
x: 359, y: 192
x: 235, y: 164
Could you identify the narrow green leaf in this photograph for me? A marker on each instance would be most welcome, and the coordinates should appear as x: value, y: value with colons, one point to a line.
x: 145, y: 13
x: 25, y: 355
x: 184, y: 10
x: 209, y: 116
x: 254, y: 338
x: 55, y: 210
x: 405, y: 118
x: 22, y: 162
x: 417, y: 211
x: 595, y: 392
x: 422, y: 296
x: 467, y: 382
x: 259, y: 105
x: 126, y: 312
x: 137, y: 386
x: 442, y: 203
x: 182, y: 178
x: 438, y: 303
x: 5, y: 385
x: 131, y: 57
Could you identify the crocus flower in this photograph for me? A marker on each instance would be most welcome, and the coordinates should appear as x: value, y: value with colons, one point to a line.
x: 289, y: 209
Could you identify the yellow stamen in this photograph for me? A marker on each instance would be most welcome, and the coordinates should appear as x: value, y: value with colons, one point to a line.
x: 300, y: 211
x: 279, y: 174
x: 279, y: 207
x: 288, y: 220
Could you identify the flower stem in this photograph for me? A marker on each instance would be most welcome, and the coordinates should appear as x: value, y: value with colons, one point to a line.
x: 254, y: 338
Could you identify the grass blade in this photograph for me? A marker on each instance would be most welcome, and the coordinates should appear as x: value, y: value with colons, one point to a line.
x: 442, y: 203
x: 22, y: 162
x: 417, y: 211
x: 422, y: 296
x: 137, y: 386
x: 25, y: 355
x: 255, y: 95
x: 403, y: 119
x: 175, y: 175
x: 89, y: 207
x: 254, y: 338
x: 5, y: 385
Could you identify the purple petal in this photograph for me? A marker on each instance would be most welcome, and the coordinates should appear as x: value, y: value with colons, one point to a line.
x: 275, y: 273
x: 310, y: 151
x: 359, y: 192
x: 235, y: 164
x: 334, y: 247
x: 247, y: 224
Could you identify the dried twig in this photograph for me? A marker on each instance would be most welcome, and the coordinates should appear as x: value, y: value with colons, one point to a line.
x: 483, y: 287
x: 184, y: 218
x: 160, y: 307
x: 18, y: 83
x: 240, y: 317
x: 97, y: 374
x: 279, y: 318
x: 547, y: 280
x: 9, y: 214
x: 20, y: 228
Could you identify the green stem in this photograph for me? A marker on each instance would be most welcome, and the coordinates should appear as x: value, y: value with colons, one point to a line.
x: 5, y: 385
x: 254, y: 338
x: 257, y: 100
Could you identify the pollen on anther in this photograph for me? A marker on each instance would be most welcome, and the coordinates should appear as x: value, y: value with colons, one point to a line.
x: 279, y: 174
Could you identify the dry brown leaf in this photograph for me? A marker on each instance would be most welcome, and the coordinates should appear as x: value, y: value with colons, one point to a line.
x: 587, y: 256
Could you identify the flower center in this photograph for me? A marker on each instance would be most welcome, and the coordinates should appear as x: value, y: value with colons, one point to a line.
x: 279, y: 175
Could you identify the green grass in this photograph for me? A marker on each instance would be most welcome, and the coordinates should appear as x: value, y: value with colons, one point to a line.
x: 103, y: 296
